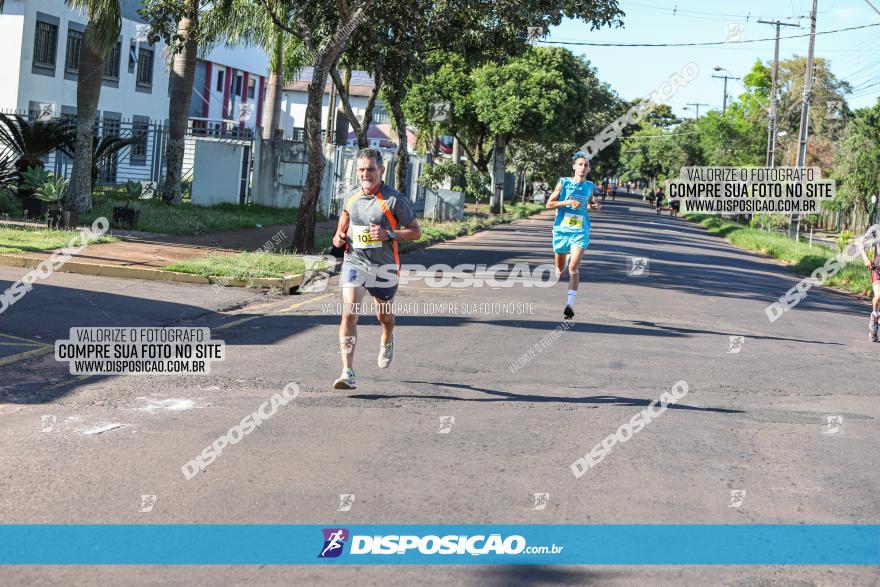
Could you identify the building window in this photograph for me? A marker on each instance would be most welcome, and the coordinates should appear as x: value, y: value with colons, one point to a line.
x: 132, y: 57
x: 238, y: 79
x: 220, y: 75
x: 140, y: 127
x: 145, y: 67
x: 45, y: 44
x: 74, y: 42
x: 107, y: 168
x: 380, y: 115
x: 111, y: 64
x: 112, y: 124
x: 252, y: 88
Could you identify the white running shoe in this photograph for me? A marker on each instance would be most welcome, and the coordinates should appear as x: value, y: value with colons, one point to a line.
x: 386, y: 353
x: 347, y: 381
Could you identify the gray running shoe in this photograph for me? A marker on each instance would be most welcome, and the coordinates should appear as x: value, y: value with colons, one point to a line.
x: 386, y: 354
x: 347, y: 381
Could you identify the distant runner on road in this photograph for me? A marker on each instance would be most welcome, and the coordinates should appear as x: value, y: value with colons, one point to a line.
x: 373, y: 219
x: 571, y: 199
x: 874, y: 266
x: 658, y: 200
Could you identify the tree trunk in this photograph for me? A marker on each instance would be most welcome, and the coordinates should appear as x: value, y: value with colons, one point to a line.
x: 304, y: 232
x: 331, y: 108
x: 183, y: 72
x: 498, y: 174
x: 341, y: 117
x: 360, y: 128
x: 88, y: 91
x: 394, y: 102
x: 272, y: 111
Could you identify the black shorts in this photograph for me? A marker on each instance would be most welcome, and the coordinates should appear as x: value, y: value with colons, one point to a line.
x: 377, y: 285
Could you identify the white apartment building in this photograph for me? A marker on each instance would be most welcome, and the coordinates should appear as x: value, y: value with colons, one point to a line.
x: 229, y: 89
x: 295, y: 98
x: 40, y: 42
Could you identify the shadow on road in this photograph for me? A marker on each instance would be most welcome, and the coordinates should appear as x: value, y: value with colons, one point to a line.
x: 621, y: 230
x: 507, y: 396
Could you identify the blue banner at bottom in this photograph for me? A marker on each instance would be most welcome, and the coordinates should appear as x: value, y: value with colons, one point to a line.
x: 638, y: 544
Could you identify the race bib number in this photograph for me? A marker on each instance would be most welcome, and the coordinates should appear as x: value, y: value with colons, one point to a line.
x: 360, y: 238
x: 573, y: 221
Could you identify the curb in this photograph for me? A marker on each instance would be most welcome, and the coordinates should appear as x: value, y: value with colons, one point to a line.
x: 288, y: 283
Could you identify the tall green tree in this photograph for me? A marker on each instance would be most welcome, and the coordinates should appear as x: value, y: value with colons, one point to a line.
x: 858, y: 160
x: 828, y: 108
x: 656, y: 152
x: 325, y: 31
x: 104, y: 22
x: 177, y: 22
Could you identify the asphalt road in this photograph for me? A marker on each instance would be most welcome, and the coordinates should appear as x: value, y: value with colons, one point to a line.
x: 755, y: 420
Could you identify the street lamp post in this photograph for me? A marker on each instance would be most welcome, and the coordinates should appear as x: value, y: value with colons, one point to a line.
x: 696, y: 105
x: 725, y: 78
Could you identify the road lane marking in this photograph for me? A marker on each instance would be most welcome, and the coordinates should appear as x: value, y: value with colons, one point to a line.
x: 27, y: 354
x: 27, y: 340
x: 295, y: 306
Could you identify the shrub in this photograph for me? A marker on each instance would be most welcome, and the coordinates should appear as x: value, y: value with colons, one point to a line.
x: 9, y: 203
x: 53, y: 191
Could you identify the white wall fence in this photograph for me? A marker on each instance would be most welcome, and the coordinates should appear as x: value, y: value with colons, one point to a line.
x: 228, y: 163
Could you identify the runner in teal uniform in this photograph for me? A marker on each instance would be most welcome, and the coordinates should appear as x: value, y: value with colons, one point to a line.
x: 572, y: 198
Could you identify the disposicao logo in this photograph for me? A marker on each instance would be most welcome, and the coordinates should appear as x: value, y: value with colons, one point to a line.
x: 334, y: 540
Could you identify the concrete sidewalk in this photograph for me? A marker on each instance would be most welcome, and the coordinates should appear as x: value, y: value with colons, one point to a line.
x: 142, y: 255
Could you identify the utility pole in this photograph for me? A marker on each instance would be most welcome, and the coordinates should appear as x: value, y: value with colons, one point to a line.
x: 771, y: 134
x: 725, y: 78
x: 805, y: 112
x: 697, y: 106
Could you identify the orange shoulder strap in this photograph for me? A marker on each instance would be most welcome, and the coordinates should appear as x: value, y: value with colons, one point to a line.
x: 387, y: 210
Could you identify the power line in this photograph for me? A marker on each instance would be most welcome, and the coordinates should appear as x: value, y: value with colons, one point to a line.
x: 687, y: 11
x: 706, y: 44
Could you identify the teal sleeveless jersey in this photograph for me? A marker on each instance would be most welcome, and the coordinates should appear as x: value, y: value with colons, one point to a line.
x: 570, y: 219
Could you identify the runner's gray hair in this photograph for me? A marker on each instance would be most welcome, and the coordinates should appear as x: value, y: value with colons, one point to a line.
x: 368, y: 153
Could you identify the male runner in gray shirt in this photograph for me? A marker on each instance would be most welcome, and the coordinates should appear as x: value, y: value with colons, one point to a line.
x: 373, y: 219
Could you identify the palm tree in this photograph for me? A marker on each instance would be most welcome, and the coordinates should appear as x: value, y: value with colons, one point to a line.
x: 183, y: 71
x: 8, y: 173
x: 28, y: 143
x: 100, y: 38
x: 243, y: 22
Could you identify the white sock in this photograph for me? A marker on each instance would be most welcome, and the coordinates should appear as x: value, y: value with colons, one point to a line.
x: 571, y: 294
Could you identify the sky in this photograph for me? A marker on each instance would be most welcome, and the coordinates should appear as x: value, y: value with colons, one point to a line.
x: 637, y: 71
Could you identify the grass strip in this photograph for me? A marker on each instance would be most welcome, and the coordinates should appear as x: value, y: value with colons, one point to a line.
x: 244, y: 266
x: 23, y: 239
x: 803, y: 260
x: 187, y: 218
